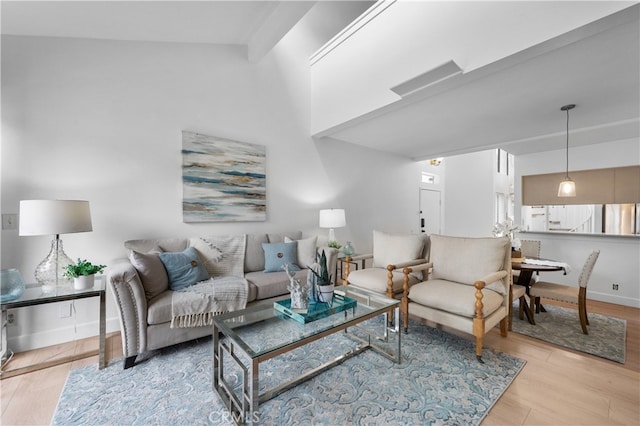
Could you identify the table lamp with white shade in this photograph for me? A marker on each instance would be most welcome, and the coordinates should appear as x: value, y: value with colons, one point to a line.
x: 54, y: 217
x: 332, y: 218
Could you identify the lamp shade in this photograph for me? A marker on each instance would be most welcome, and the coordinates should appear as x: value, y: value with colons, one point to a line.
x: 567, y: 188
x: 332, y: 218
x: 52, y: 217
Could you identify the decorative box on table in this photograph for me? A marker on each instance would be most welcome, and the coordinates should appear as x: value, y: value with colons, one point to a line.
x: 317, y: 310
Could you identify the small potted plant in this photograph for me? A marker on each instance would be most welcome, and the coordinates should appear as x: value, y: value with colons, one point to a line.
x: 323, y: 279
x: 83, y: 274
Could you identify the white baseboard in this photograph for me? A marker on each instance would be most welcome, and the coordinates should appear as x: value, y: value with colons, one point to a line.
x: 26, y: 342
x: 618, y: 300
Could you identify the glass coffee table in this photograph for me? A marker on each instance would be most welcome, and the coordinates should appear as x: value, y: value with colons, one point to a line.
x: 239, y: 339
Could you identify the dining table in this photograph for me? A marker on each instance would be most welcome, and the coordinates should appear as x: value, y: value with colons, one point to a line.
x: 527, y: 266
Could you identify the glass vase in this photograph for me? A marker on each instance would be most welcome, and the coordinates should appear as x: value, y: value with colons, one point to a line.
x: 11, y: 285
x: 348, y: 249
x: 50, y: 272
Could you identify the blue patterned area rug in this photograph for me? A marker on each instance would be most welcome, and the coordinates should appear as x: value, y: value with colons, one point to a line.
x: 561, y: 326
x: 438, y: 382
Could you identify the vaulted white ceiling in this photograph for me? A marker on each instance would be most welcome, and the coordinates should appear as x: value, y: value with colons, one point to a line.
x: 514, y: 104
x: 258, y: 25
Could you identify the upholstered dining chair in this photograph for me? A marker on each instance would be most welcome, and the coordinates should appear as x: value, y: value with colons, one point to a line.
x: 519, y: 292
x: 528, y: 248
x: 564, y: 293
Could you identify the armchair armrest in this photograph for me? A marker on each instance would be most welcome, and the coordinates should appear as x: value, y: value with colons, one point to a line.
x: 406, y: 264
x: 494, y: 276
x: 495, y: 281
x: 418, y: 267
x: 131, y: 303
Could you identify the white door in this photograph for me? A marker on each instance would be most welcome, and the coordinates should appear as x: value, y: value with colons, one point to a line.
x: 429, y: 211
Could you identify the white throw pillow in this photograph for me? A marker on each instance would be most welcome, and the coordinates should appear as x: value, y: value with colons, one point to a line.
x: 306, y: 250
x: 391, y: 249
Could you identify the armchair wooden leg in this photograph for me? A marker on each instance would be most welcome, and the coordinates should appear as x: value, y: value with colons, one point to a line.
x: 479, y: 349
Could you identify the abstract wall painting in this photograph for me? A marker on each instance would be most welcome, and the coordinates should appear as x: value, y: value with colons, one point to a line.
x: 222, y: 180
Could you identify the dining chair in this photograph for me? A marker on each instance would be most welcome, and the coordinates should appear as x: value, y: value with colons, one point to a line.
x: 565, y: 293
x: 528, y: 248
x: 517, y: 292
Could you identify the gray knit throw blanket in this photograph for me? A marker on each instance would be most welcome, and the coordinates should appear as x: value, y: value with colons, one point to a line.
x: 196, y: 305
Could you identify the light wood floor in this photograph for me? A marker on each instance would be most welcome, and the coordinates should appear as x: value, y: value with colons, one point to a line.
x: 556, y: 387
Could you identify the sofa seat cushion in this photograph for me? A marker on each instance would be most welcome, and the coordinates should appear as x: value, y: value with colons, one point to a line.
x: 375, y: 279
x: 159, y: 308
x: 456, y: 298
x: 264, y: 285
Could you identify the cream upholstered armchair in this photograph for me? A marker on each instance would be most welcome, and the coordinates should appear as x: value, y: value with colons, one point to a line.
x: 391, y: 253
x: 467, y: 288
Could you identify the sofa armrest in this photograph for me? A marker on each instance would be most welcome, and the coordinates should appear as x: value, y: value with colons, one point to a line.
x: 131, y: 303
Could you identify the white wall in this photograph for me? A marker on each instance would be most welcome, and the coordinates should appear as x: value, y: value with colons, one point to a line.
x: 619, y: 257
x: 101, y: 121
x: 469, y: 197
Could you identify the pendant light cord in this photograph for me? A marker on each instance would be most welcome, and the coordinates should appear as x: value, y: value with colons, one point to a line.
x: 567, y: 108
x: 567, y: 173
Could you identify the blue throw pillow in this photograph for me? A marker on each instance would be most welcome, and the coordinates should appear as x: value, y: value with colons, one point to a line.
x: 183, y: 268
x: 277, y: 254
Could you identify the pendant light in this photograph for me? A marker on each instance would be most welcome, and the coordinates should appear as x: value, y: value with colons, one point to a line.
x: 567, y: 187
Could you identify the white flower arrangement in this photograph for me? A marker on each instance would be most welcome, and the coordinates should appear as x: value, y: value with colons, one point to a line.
x: 508, y: 229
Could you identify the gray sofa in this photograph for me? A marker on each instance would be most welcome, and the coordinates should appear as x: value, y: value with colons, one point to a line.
x: 143, y: 297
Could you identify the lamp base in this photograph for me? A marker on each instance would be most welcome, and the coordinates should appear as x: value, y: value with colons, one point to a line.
x: 50, y: 272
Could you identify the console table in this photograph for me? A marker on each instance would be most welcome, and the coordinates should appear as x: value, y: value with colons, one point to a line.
x: 33, y: 296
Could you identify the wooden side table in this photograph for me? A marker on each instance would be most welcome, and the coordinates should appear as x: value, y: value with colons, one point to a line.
x: 34, y: 296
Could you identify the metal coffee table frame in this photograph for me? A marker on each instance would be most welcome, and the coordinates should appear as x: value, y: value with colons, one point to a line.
x: 226, y: 343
